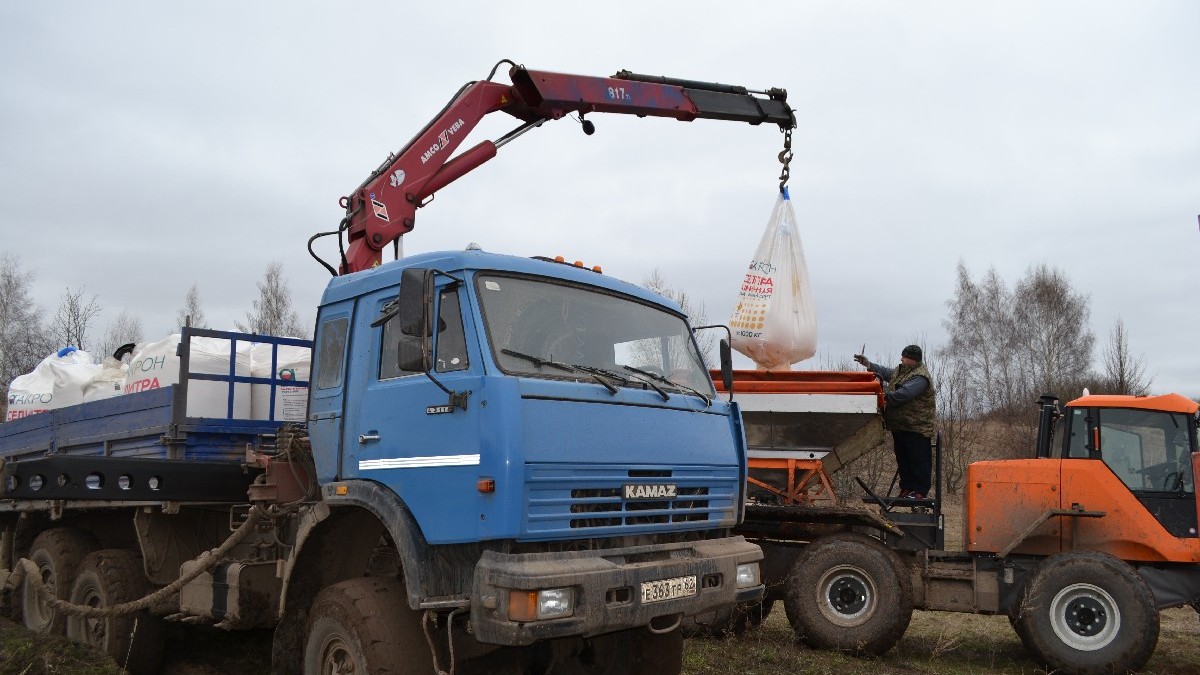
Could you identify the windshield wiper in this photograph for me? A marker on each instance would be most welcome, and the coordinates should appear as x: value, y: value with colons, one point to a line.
x: 596, y: 372
x: 539, y: 362
x: 660, y: 378
x: 649, y: 383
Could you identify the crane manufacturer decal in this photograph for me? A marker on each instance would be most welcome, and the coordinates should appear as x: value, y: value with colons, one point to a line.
x: 443, y: 140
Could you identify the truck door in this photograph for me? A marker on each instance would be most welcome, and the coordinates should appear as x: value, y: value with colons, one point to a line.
x: 403, y: 432
x: 326, y: 387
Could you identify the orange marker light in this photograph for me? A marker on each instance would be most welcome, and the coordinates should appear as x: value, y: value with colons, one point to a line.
x: 522, y: 605
x: 597, y: 270
x: 559, y: 258
x: 579, y: 263
x: 486, y: 485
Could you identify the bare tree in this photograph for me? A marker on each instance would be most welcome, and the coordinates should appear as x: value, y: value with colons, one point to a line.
x: 696, y: 314
x: 74, y: 317
x: 273, y: 313
x: 124, y: 329
x: 1123, y: 372
x: 23, y: 338
x: 1052, y: 319
x: 1008, y: 346
x: 983, y: 342
x: 958, y: 421
x: 191, y: 314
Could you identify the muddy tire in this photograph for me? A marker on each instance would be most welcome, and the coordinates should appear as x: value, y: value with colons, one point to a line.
x: 849, y: 593
x: 107, y: 578
x: 365, y: 626
x: 1087, y: 612
x: 58, y: 554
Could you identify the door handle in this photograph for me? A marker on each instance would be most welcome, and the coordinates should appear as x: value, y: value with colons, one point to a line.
x: 363, y: 439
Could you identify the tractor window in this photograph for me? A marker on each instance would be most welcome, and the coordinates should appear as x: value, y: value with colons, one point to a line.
x: 1077, y: 441
x: 1148, y: 450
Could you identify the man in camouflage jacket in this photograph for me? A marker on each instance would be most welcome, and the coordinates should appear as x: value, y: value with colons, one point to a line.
x: 910, y: 415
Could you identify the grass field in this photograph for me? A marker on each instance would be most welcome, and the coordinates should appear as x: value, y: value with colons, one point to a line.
x: 936, y: 643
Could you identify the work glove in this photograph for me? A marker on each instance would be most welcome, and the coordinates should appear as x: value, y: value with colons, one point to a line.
x: 862, y: 360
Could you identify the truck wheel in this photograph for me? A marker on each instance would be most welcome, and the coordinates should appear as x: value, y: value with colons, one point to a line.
x: 57, y: 553
x: 365, y: 626
x: 849, y: 593
x: 111, y: 577
x: 1088, y: 612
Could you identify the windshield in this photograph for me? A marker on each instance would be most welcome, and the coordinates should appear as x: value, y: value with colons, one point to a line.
x: 565, y: 331
x: 1148, y: 450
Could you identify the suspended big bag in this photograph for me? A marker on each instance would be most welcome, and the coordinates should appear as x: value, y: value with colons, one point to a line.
x: 774, y: 322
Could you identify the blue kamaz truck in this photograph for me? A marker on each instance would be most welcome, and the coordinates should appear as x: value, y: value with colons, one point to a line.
x: 507, y: 464
x: 523, y: 460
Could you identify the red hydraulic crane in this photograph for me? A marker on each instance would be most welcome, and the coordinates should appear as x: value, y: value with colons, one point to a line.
x: 383, y: 208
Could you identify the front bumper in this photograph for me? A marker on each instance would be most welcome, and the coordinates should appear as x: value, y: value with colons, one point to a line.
x: 606, y: 587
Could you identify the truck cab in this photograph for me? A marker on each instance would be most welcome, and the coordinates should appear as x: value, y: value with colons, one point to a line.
x: 556, y: 428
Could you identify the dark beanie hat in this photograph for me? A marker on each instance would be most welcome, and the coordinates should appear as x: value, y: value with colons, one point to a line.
x: 913, y: 352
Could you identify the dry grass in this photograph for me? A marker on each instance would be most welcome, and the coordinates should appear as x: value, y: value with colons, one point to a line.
x: 935, y: 643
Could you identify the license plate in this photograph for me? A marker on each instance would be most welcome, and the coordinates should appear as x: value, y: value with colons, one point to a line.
x: 667, y: 589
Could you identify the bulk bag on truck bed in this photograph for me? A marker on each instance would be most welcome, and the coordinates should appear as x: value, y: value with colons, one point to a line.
x: 56, y: 382
x: 292, y: 363
x: 156, y: 365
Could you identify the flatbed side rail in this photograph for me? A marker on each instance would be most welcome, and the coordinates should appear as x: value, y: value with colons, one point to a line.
x: 231, y: 378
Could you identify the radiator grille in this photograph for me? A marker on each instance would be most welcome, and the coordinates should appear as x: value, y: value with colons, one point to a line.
x: 563, y: 500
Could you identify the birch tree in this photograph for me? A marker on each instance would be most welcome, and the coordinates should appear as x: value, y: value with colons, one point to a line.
x: 273, y: 313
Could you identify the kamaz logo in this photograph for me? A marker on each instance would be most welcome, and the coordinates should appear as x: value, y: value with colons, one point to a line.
x: 649, y: 491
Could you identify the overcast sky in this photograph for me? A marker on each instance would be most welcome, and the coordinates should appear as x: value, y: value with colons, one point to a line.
x: 147, y: 146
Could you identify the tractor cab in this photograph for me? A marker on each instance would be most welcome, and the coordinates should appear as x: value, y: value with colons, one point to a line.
x: 1147, y: 442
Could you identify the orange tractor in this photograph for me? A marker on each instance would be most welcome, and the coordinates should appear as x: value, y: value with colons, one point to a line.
x: 1080, y: 546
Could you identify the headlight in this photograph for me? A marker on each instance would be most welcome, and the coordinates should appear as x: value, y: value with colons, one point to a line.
x: 552, y: 603
x: 747, y: 575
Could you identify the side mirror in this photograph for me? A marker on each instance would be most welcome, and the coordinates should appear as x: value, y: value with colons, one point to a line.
x: 415, y: 316
x: 726, y: 366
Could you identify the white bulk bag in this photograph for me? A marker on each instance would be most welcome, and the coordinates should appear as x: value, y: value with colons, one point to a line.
x: 156, y: 365
x: 774, y: 322
x: 56, y: 382
x: 291, y: 363
x: 108, y: 382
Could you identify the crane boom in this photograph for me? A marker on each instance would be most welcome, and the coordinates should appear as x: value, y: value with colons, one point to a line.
x: 383, y: 208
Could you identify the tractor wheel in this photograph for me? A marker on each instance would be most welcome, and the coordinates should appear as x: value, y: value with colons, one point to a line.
x: 848, y: 592
x: 57, y: 554
x: 108, y: 578
x: 1085, y: 612
x: 365, y: 625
